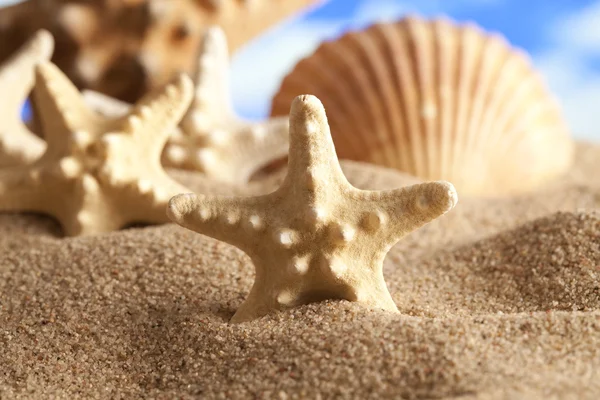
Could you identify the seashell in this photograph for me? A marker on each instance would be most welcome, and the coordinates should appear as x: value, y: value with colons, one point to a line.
x: 438, y: 100
x: 126, y: 48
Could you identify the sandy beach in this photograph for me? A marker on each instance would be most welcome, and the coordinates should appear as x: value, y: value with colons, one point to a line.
x: 499, y: 299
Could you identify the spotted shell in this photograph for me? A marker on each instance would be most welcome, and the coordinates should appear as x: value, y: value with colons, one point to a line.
x: 438, y: 100
x: 125, y: 48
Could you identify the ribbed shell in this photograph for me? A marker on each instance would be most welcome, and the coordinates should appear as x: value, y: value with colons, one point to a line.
x: 438, y: 100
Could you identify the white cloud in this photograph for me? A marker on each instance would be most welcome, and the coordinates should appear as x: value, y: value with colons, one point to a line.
x: 258, y: 69
x: 4, y: 3
x: 480, y: 2
x: 581, y: 30
x: 581, y: 109
x: 371, y: 11
x: 577, y: 89
x: 565, y: 65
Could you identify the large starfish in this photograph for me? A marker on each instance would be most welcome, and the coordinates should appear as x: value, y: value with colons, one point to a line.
x: 317, y: 236
x: 18, y: 144
x: 97, y: 174
x: 212, y: 139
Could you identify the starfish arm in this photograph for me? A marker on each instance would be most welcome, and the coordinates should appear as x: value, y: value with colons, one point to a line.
x: 72, y: 226
x: 61, y: 106
x: 149, y: 197
x: 234, y: 220
x: 395, y: 213
x: 262, y: 144
x: 17, y: 143
x: 160, y: 111
x: 106, y: 105
x: 248, y: 150
x: 18, y: 71
x: 311, y: 151
x: 19, y: 146
x: 211, y: 99
x: 85, y: 222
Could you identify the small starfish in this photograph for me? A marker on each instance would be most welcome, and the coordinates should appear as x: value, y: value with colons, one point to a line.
x: 97, y: 174
x: 18, y: 145
x: 317, y: 236
x: 212, y: 139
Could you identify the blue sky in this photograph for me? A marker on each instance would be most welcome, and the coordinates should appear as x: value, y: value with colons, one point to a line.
x: 562, y: 36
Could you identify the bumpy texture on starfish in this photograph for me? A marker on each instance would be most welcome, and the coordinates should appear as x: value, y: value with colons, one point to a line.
x: 212, y: 139
x: 18, y: 145
x: 317, y: 236
x: 97, y: 174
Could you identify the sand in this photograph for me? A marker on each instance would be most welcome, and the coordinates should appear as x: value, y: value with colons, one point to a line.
x: 499, y: 299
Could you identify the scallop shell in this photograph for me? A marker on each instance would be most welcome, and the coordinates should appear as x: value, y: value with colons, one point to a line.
x: 438, y: 100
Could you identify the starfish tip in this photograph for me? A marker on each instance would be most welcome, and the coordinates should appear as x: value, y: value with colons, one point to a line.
x: 214, y: 33
x: 450, y: 192
x: 184, y: 83
x: 181, y: 87
x: 46, y: 71
x: 181, y: 205
x: 307, y: 113
x: 306, y: 102
x: 43, y: 43
x: 439, y: 197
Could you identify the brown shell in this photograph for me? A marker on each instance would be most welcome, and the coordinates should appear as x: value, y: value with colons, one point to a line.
x: 125, y: 48
x: 438, y: 100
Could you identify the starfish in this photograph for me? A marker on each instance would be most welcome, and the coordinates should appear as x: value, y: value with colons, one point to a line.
x: 97, y: 174
x: 212, y: 139
x: 18, y: 144
x: 317, y: 236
